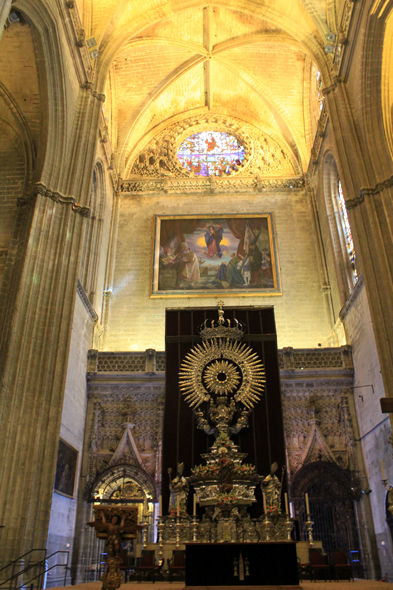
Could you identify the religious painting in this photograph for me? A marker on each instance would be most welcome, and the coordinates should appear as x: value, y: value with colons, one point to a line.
x: 67, y: 461
x: 215, y: 254
x: 211, y: 153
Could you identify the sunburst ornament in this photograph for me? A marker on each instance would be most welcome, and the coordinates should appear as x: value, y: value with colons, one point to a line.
x: 222, y: 377
x: 222, y: 366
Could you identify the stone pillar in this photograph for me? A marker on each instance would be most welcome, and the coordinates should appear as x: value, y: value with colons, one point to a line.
x: 34, y: 350
x: 369, y: 210
x: 110, y: 269
x: 150, y: 360
x: 5, y: 6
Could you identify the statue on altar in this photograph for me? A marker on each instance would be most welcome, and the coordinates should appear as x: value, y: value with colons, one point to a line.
x: 114, y: 529
x: 178, y: 487
x: 271, y: 487
x: 226, y: 468
x: 114, y: 524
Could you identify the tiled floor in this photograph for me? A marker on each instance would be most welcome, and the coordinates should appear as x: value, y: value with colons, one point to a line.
x: 357, y: 585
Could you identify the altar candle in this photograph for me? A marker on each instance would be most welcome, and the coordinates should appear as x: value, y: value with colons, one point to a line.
x: 160, y: 507
x: 382, y: 470
x: 264, y: 503
x: 194, y: 511
x: 307, y: 505
x: 286, y: 504
x: 178, y: 506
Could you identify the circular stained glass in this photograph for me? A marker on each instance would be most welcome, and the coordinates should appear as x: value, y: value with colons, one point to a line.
x: 211, y: 153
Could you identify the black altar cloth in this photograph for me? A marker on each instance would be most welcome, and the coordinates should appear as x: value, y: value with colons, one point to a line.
x: 269, y: 564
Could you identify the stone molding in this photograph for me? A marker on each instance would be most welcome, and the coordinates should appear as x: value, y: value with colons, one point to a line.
x: 209, y: 185
x: 108, y: 151
x: 84, y: 67
x: 90, y: 87
x: 352, y: 298
x: 369, y: 192
x: 41, y: 189
x: 328, y: 89
x: 320, y: 134
x: 86, y: 302
x: 342, y: 35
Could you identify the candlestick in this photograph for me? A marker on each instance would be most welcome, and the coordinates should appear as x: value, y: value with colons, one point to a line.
x: 178, y: 506
x: 264, y: 502
x: 160, y: 507
x: 145, y: 507
x: 382, y: 469
x: 286, y: 503
x: 194, y: 508
x: 307, y: 504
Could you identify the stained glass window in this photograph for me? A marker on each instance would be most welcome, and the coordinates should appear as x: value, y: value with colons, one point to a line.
x: 347, y: 231
x: 211, y: 153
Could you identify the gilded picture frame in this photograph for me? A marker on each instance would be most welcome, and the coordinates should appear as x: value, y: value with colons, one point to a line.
x: 209, y: 255
x: 66, y: 469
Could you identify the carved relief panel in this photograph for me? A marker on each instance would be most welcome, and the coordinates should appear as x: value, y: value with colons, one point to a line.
x: 125, y: 428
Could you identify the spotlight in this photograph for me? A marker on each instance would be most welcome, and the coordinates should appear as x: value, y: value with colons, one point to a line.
x: 14, y: 17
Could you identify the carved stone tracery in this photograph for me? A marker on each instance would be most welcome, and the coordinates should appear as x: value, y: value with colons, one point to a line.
x: 318, y: 425
x: 264, y: 156
x: 125, y: 430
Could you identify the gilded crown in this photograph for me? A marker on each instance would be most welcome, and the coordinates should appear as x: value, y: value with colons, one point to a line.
x: 221, y: 328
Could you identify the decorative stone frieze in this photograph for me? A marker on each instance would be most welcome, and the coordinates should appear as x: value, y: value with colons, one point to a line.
x: 205, y: 185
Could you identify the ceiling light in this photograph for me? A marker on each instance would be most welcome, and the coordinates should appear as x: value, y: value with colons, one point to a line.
x: 94, y: 54
x: 14, y: 17
x: 91, y: 42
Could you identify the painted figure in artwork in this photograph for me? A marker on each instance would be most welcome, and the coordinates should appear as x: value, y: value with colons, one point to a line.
x: 210, y: 142
x: 234, y: 277
x: 189, y: 265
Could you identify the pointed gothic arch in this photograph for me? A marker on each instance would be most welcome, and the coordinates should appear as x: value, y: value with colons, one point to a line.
x: 115, y: 477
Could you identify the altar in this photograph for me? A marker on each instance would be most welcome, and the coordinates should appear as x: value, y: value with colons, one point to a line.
x: 241, y: 564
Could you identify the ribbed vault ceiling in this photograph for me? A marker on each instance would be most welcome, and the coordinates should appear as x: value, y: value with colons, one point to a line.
x: 253, y: 60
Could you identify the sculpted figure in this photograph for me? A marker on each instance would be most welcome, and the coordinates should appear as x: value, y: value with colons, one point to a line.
x: 226, y: 468
x: 178, y: 488
x: 271, y: 486
x: 114, y: 528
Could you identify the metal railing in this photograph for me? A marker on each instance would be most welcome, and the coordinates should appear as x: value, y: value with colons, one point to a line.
x: 41, y: 566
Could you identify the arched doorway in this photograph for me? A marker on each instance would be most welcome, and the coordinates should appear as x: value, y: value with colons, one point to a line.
x: 331, y: 496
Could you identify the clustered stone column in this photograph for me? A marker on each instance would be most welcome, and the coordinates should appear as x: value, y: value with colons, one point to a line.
x: 34, y: 352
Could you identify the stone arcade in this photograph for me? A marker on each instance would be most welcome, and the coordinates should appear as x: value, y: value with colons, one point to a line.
x: 158, y: 156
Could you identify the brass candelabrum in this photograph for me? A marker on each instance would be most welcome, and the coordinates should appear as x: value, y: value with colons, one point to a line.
x: 289, y: 526
x: 266, y: 524
x: 160, y: 534
x: 194, y: 528
x: 145, y: 524
x: 309, y: 524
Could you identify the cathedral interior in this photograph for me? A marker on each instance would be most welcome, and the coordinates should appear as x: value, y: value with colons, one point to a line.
x: 159, y: 157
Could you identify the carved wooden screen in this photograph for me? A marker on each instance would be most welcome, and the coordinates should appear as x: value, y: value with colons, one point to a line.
x: 182, y: 441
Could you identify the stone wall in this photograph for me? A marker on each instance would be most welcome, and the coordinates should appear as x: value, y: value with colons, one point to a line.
x: 137, y: 322
x: 63, y: 511
x: 374, y: 427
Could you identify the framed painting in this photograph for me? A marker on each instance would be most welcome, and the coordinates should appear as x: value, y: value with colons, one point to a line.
x: 66, y: 466
x: 205, y: 255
